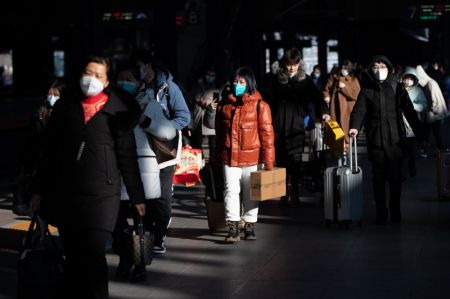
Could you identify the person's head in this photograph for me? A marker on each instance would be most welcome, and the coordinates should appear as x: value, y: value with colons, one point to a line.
x: 380, y: 67
x: 94, y: 77
x: 346, y: 68
x: 54, y: 92
x: 291, y: 61
x: 210, y: 75
x: 126, y: 79
x: 409, y: 80
x: 316, y: 72
x: 144, y: 62
x: 243, y: 81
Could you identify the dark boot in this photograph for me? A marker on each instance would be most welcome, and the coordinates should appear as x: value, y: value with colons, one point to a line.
x: 382, y: 215
x: 123, y: 270
x: 233, y: 232
x: 249, y: 231
x: 138, y: 274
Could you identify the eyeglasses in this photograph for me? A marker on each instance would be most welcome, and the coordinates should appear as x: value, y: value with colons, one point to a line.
x: 377, y: 68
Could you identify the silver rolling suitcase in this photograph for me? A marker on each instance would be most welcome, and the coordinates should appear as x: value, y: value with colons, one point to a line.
x: 343, y: 194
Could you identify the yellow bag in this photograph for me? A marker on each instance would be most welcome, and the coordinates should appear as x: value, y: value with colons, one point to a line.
x: 334, y: 138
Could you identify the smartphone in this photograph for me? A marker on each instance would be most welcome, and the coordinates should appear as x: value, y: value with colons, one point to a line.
x: 216, y: 96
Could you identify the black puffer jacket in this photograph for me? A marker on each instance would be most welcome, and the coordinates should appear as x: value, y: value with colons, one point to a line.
x: 380, y: 106
x: 79, y: 175
x: 291, y: 99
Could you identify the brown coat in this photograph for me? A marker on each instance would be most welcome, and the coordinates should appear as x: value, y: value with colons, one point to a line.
x: 343, y: 99
x: 244, y: 138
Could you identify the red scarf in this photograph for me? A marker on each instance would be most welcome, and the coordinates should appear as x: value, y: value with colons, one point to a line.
x: 91, y: 105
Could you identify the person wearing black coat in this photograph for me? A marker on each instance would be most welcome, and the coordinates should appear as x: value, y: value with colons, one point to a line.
x: 292, y: 97
x: 380, y: 104
x: 89, y: 146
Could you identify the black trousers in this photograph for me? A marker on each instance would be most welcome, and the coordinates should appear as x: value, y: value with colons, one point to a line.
x: 119, y: 241
x: 390, y: 171
x: 86, y: 270
x: 159, y: 210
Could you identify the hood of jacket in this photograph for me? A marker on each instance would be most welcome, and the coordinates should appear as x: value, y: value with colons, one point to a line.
x: 162, y: 77
x: 422, y: 76
x: 411, y: 72
x: 368, y: 78
x: 381, y: 58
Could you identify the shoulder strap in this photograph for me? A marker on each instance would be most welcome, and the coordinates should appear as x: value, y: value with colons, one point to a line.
x: 258, y: 105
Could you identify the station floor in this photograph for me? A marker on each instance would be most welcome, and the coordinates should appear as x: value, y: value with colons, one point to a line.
x: 294, y: 255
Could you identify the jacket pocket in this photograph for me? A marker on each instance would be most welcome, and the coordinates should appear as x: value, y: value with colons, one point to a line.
x: 249, y: 137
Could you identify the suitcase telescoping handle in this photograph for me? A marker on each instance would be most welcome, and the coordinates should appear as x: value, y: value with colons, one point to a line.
x: 353, y: 151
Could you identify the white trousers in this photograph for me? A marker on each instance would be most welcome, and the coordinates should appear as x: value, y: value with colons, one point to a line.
x: 237, y: 179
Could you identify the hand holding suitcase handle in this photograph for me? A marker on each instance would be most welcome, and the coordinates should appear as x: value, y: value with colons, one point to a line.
x: 353, y: 149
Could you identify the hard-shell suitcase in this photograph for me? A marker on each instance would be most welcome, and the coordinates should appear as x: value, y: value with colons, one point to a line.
x: 343, y: 194
x: 443, y: 174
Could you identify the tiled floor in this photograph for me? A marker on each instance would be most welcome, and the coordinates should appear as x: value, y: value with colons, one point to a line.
x: 295, y: 256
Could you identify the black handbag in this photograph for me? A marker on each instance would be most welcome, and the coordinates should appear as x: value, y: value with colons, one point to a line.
x: 140, y: 243
x: 164, y: 150
x: 40, y: 267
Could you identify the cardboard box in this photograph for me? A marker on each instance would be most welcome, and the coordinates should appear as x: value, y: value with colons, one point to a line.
x: 268, y: 184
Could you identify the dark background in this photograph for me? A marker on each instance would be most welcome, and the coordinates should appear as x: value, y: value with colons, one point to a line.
x: 188, y: 35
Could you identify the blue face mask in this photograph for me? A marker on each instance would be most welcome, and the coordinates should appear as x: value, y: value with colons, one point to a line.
x: 130, y: 87
x: 239, y: 89
x: 210, y: 79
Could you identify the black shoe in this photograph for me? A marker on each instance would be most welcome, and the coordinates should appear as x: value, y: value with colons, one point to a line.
x: 123, y: 270
x: 381, y: 217
x: 138, y: 274
x: 249, y: 231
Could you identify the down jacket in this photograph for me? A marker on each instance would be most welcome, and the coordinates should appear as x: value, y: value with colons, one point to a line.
x: 244, y: 132
x: 437, y: 106
x: 380, y: 106
x: 79, y: 175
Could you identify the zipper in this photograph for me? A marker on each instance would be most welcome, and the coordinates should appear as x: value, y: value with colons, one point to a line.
x: 81, y: 150
x: 108, y: 178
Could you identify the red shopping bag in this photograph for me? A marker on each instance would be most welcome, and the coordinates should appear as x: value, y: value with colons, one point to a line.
x: 187, y: 171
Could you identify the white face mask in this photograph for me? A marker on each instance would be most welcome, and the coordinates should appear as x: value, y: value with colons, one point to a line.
x: 408, y: 82
x: 381, y: 74
x: 51, y: 100
x: 91, y: 86
x: 344, y: 73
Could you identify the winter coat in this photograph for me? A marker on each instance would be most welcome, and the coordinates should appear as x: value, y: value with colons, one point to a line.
x: 437, y: 105
x: 381, y: 105
x: 342, y: 100
x: 198, y: 112
x: 35, y: 139
x: 79, y: 175
x: 166, y: 110
x: 148, y: 167
x: 416, y: 94
x: 244, y: 132
x: 291, y: 100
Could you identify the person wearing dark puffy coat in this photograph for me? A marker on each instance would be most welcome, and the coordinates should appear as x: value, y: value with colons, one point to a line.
x: 89, y: 146
x: 381, y: 103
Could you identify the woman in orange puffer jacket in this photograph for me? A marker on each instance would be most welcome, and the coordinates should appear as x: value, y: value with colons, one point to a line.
x: 244, y: 137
